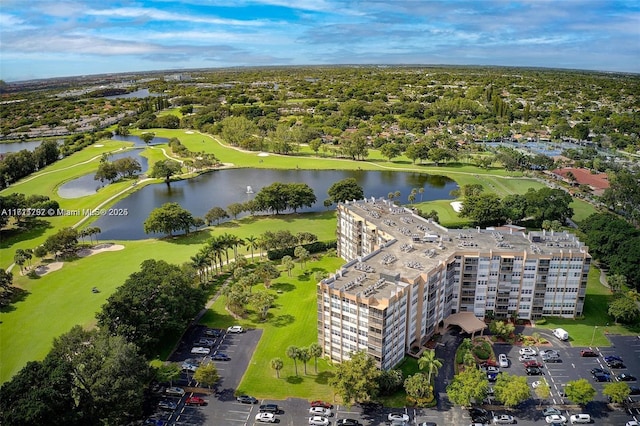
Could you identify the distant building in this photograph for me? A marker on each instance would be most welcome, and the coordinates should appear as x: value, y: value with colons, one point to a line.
x: 598, y: 182
x: 407, y: 276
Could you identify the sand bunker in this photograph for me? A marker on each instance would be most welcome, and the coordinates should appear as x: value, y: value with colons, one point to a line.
x: 263, y: 154
x: 457, y: 206
x: 99, y: 249
x: 189, y: 132
x: 49, y: 267
x: 98, y: 145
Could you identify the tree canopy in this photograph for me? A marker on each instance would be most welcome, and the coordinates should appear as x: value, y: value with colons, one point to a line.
x: 356, y: 379
x: 345, y: 189
x: 168, y: 218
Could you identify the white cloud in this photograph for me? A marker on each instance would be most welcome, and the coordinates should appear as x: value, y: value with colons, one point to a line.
x: 159, y: 15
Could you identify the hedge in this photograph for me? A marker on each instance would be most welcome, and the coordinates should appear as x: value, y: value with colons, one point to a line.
x: 315, y: 247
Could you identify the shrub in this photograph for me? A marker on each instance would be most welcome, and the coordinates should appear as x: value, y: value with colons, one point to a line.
x: 541, y: 321
x: 482, y: 351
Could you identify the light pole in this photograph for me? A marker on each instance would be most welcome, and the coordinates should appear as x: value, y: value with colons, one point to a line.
x: 593, y: 335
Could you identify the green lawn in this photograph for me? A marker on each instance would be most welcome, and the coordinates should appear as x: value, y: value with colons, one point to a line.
x: 582, y: 331
x: 291, y: 322
x: 62, y: 299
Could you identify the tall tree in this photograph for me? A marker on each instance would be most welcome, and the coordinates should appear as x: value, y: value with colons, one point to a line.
x: 429, y: 362
x: 511, y: 390
x: 165, y: 169
x: 469, y: 386
x: 580, y: 391
x: 418, y: 386
x: 168, y: 218
x: 345, y: 190
x: 277, y: 364
x: 252, y: 244
x: 618, y: 392
x: 356, y: 379
x: 315, y: 350
x: 293, y: 352
x: 304, y: 356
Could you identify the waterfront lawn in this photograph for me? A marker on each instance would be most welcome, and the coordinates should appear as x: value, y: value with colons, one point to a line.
x: 581, y: 331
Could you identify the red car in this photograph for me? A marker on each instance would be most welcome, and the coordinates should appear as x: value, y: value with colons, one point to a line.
x: 588, y: 353
x: 528, y: 364
x: 321, y: 404
x: 195, y: 400
x: 489, y: 363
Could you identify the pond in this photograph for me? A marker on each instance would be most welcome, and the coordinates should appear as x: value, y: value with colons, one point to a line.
x: 87, y: 185
x: 19, y: 146
x: 223, y: 187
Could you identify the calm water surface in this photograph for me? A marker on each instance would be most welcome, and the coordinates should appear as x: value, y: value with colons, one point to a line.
x: 223, y: 187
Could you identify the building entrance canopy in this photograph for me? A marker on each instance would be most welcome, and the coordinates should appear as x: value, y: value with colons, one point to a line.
x: 465, y: 320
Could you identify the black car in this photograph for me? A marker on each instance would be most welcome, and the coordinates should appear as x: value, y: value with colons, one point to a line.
x: 212, y: 332
x: 599, y: 370
x: 615, y: 364
x: 270, y: 408
x: 601, y: 377
x: 348, y: 422
x: 634, y: 390
x: 552, y: 359
x: 246, y: 399
x: 534, y: 371
x: 479, y: 415
x: 626, y: 378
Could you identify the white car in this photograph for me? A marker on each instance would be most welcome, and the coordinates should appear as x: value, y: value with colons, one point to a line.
x: 199, y: 350
x: 318, y: 421
x: 549, y: 352
x: 632, y: 423
x: 174, y: 391
x: 523, y: 358
x: 503, y: 419
x: 555, y: 418
x: 503, y: 362
x: 397, y: 417
x: 235, y: 329
x: 528, y: 351
x: 580, y: 418
x: 205, y: 342
x: 320, y: 411
x: 189, y: 366
x: 266, y: 417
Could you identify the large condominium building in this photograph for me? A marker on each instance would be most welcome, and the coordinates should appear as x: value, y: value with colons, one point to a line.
x: 405, y: 275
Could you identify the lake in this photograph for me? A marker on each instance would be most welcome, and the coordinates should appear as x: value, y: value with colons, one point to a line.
x: 87, y: 185
x: 223, y: 187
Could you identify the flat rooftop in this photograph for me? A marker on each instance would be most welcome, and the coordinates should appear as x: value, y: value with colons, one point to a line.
x: 419, y: 245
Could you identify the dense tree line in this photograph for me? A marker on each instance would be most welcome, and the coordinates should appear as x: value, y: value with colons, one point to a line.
x: 21, y: 208
x: 616, y: 243
x: 279, y: 197
x: 126, y: 167
x: 535, y: 207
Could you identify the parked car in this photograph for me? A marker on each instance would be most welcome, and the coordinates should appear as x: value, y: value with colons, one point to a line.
x: 492, y: 377
x: 634, y: 390
x: 538, y: 383
x: 561, y: 333
x: 615, y: 364
x: 318, y: 421
x: 624, y: 377
x: 392, y: 417
x: 246, y: 399
x: 588, y: 353
x: 427, y: 424
x: 235, y: 329
x: 477, y: 413
x: 167, y: 405
x: 601, y: 377
x: 599, y: 370
x: 320, y: 411
x: 608, y: 358
x: 348, y: 422
x: 320, y: 404
x: 550, y: 411
x: 189, y: 366
x: 533, y: 364
x: 525, y: 358
x: 632, y: 423
x: 270, y: 408
x: 556, y: 418
x: 195, y: 400
x: 266, y: 417
x: 503, y: 361
x: 534, y: 371
x: 552, y: 359
x: 549, y: 352
x: 503, y: 419
x: 219, y: 356
x: 199, y: 350
x: 528, y: 351
x: 580, y: 418
x: 176, y: 391
x: 205, y: 342
x: 212, y: 332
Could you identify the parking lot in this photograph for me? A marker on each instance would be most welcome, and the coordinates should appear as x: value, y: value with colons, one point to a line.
x: 222, y: 408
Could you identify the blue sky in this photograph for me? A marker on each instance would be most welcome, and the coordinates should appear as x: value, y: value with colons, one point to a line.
x: 51, y: 38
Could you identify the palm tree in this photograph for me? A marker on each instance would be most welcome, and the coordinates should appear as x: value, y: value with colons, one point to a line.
x: 315, y: 350
x: 421, y: 191
x: 252, y: 244
x: 429, y: 362
x: 293, y: 353
x: 226, y: 242
x: 200, y: 262
x: 277, y: 364
x: 304, y: 356
x: 214, y: 249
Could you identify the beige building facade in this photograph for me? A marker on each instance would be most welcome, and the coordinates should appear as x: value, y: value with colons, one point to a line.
x: 405, y: 275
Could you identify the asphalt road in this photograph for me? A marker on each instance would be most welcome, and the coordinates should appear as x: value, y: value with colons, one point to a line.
x: 222, y: 408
